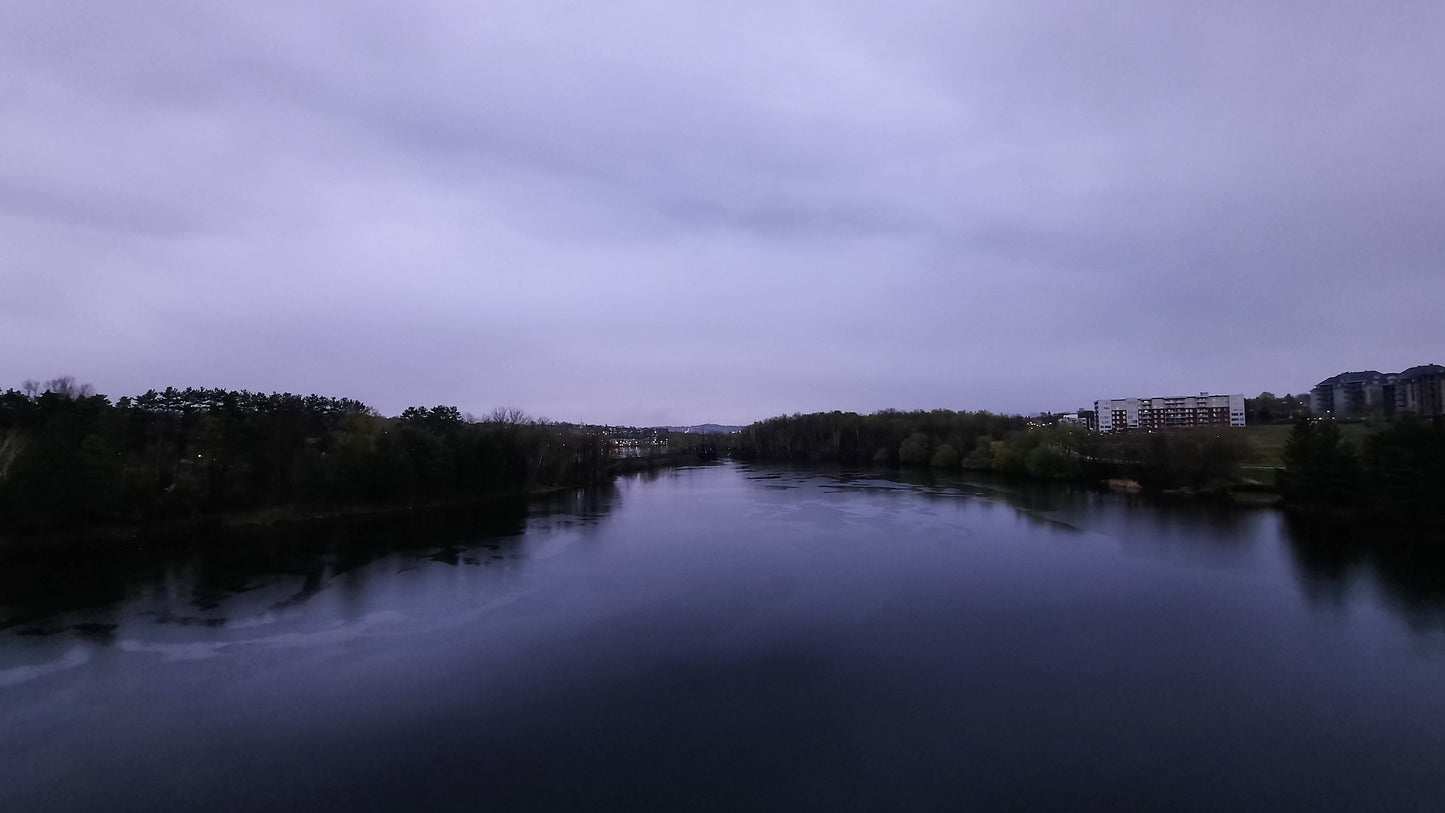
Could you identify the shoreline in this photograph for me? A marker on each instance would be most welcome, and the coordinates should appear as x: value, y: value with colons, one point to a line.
x: 175, y: 533
x: 30, y: 547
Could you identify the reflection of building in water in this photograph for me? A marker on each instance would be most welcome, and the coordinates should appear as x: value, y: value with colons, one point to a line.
x: 1417, y: 391
x: 1169, y: 412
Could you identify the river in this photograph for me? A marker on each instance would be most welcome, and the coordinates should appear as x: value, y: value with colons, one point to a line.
x: 732, y: 637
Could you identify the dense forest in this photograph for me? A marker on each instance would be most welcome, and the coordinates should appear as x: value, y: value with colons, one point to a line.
x: 879, y: 438
x: 70, y: 458
x: 1397, y: 474
x: 984, y: 441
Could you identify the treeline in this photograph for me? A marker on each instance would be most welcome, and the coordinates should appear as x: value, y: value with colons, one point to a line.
x: 879, y: 438
x: 1270, y: 408
x: 71, y: 458
x: 1397, y: 474
x: 984, y: 441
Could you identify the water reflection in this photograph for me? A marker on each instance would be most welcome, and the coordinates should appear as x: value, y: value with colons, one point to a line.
x: 1141, y: 521
x: 1332, y: 560
x: 208, y: 580
x: 1335, y: 559
x: 743, y: 637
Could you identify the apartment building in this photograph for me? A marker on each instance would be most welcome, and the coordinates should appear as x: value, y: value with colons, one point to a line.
x: 1357, y: 393
x: 1169, y: 412
x: 1418, y: 391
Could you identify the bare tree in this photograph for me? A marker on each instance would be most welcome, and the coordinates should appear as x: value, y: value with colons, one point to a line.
x: 63, y: 386
x: 511, y: 416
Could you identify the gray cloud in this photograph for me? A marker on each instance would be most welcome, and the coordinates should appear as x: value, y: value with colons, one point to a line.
x: 663, y: 212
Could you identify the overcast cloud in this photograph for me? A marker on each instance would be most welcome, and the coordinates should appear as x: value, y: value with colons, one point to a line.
x: 672, y: 213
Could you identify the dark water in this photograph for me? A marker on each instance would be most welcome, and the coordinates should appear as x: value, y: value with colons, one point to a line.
x: 732, y: 637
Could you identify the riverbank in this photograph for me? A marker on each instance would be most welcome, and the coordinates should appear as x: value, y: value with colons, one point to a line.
x: 630, y: 465
x: 178, y: 532
x: 181, y: 531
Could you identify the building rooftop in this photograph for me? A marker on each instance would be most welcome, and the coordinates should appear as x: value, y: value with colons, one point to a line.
x: 1362, y: 377
x: 1421, y: 369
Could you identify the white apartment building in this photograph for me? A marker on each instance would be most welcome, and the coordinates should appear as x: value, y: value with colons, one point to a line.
x: 1170, y: 412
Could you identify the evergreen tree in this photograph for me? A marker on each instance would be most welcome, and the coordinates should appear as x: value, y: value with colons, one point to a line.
x: 1320, y: 469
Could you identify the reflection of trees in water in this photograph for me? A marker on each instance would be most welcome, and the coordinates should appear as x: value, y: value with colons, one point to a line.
x: 588, y: 505
x: 190, y: 582
x: 1223, y: 525
x: 645, y: 475
x: 1062, y: 504
x: 1332, y: 557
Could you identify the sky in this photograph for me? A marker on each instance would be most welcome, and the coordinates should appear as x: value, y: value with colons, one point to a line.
x: 671, y: 212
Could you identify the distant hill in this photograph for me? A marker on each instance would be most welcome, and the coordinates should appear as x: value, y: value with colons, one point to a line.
x: 706, y: 429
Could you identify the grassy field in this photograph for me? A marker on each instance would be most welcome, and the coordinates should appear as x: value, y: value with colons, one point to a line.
x: 1268, y: 441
